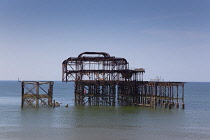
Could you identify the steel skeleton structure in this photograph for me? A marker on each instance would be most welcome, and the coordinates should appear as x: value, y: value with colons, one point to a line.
x: 151, y: 94
x: 36, y: 93
x: 101, y: 79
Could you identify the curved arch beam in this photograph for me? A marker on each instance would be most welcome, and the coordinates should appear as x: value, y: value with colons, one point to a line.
x: 102, y: 53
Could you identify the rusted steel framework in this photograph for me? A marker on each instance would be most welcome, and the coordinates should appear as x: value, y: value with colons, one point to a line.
x: 36, y: 93
x: 95, y: 92
x: 153, y: 94
x: 102, y: 67
x: 101, y: 79
x: 96, y: 76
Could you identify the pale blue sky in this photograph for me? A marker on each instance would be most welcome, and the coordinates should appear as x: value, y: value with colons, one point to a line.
x: 168, y: 38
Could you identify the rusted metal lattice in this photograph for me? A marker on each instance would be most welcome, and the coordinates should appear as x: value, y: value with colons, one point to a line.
x: 37, y: 93
x: 101, y: 79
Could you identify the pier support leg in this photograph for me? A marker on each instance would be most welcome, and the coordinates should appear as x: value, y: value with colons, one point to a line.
x: 165, y: 105
x: 37, y: 94
x: 183, y: 106
x: 22, y: 100
x: 170, y: 106
x: 177, y: 105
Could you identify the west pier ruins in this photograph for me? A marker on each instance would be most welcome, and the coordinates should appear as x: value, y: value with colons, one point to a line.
x: 104, y: 80
x: 36, y: 93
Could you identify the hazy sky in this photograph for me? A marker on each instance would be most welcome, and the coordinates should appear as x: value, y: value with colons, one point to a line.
x: 169, y: 38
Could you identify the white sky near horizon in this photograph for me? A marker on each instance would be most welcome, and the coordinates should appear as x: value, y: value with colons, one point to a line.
x: 170, y: 39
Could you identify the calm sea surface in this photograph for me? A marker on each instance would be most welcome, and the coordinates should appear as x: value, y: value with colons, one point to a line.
x: 103, y: 123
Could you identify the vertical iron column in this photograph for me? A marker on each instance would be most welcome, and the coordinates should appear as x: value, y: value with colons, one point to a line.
x: 22, y: 99
x: 37, y: 94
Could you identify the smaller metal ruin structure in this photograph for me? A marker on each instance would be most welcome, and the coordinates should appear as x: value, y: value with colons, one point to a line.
x: 36, y: 93
x: 101, y: 79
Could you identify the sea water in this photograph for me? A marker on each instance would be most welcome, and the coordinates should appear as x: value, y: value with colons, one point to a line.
x: 103, y: 122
